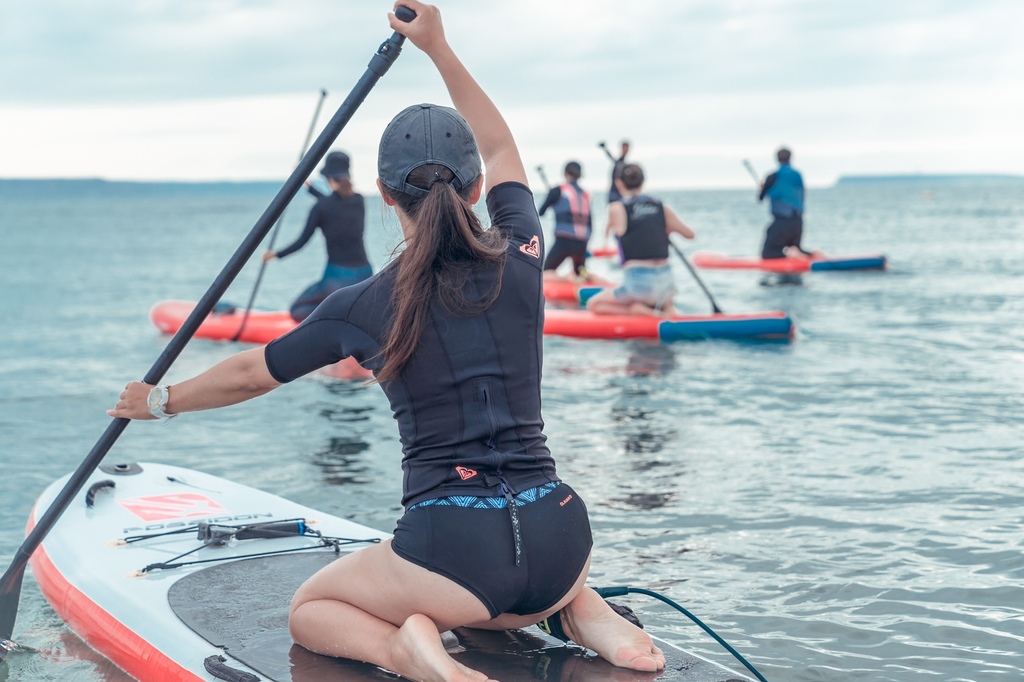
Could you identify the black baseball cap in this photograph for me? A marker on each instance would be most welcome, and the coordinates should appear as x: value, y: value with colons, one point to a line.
x: 336, y: 165
x: 427, y: 134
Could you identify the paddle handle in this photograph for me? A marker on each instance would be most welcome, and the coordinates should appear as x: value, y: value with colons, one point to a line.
x: 10, y: 583
x: 603, y: 146
x: 543, y: 177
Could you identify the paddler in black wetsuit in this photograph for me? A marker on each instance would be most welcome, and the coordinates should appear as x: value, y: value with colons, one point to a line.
x: 617, y: 165
x: 491, y: 537
x: 642, y: 225
x: 340, y: 216
x: 573, y: 223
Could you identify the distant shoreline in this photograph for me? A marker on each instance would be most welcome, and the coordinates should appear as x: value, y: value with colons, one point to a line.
x: 927, y: 179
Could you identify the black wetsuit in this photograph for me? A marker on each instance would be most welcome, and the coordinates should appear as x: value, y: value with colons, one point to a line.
x: 468, y: 410
x: 340, y: 219
x: 613, y: 192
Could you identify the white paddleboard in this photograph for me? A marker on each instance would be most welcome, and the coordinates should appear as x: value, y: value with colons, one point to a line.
x: 148, y: 567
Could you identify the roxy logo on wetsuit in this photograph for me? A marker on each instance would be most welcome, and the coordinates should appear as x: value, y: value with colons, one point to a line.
x: 465, y: 473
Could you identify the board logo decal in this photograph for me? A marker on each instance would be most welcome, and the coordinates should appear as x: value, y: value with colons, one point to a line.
x: 176, y: 506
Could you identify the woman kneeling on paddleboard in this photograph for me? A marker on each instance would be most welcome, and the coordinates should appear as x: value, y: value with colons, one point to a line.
x: 452, y: 329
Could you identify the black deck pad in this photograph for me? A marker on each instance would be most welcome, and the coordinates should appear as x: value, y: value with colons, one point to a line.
x: 242, y: 606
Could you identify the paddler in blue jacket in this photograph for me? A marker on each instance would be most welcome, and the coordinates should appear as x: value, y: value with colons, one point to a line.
x: 573, y: 223
x: 785, y: 188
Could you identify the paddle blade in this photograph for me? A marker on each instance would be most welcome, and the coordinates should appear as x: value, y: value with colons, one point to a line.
x: 10, y: 595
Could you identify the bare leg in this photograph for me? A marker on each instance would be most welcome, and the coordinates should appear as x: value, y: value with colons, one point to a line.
x: 589, y: 621
x: 395, y: 626
x: 605, y: 303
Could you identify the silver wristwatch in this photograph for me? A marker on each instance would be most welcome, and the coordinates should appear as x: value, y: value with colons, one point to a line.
x: 157, y: 401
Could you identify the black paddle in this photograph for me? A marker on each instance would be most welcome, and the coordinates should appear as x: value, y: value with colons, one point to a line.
x: 10, y: 584
x: 277, y: 225
x: 603, y: 146
x: 679, y: 252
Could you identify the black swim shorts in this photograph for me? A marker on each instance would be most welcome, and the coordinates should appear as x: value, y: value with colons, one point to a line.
x: 475, y: 545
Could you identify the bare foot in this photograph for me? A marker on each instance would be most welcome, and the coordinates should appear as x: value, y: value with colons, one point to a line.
x: 589, y: 621
x: 417, y: 654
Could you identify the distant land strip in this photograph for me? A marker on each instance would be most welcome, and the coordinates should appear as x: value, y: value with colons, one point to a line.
x: 921, y: 178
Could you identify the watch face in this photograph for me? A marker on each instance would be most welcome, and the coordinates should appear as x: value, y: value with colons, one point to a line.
x: 153, y: 400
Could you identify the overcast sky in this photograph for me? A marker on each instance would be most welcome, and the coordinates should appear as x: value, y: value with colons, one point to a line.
x: 226, y: 89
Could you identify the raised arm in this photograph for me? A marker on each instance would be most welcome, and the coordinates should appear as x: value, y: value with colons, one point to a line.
x: 231, y: 381
x: 502, y: 162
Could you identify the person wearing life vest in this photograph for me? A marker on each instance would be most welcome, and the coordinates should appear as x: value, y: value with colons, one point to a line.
x: 642, y: 225
x: 785, y: 189
x: 573, y: 223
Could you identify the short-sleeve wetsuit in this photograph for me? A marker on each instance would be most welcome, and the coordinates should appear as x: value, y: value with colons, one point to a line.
x: 341, y: 220
x: 484, y: 505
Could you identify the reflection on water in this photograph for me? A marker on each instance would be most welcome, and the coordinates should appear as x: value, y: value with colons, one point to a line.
x: 650, y: 358
x: 340, y: 463
x: 780, y: 280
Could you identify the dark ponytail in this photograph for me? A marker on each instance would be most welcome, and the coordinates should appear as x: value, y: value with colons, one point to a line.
x: 446, y: 245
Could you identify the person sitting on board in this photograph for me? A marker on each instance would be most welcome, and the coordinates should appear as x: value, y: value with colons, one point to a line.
x: 573, y: 223
x: 642, y: 225
x: 491, y: 537
x: 340, y: 216
x: 785, y: 188
x: 617, y: 165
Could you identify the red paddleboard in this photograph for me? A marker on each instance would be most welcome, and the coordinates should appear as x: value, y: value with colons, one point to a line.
x: 261, y: 327
x: 790, y: 266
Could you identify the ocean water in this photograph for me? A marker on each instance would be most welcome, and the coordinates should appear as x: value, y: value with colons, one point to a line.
x: 847, y: 506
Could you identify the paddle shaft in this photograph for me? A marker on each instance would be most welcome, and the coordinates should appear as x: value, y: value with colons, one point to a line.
x: 753, y: 173
x: 10, y: 583
x: 543, y: 177
x: 679, y: 252
x: 277, y: 225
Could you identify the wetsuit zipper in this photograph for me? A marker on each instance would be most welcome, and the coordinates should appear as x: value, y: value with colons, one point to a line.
x: 503, y: 485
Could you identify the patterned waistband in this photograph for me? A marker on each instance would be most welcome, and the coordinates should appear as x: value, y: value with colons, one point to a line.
x: 499, y: 502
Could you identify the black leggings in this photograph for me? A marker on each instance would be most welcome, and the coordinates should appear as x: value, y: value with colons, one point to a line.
x: 781, y: 233
x: 476, y: 549
x: 566, y: 248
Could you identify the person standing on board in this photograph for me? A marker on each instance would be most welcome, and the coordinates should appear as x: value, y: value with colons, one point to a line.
x: 642, y: 225
x: 491, y: 537
x: 617, y: 165
x: 573, y: 223
x: 785, y: 188
x: 340, y: 216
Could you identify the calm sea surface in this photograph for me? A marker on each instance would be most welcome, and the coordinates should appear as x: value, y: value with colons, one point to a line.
x: 849, y: 506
